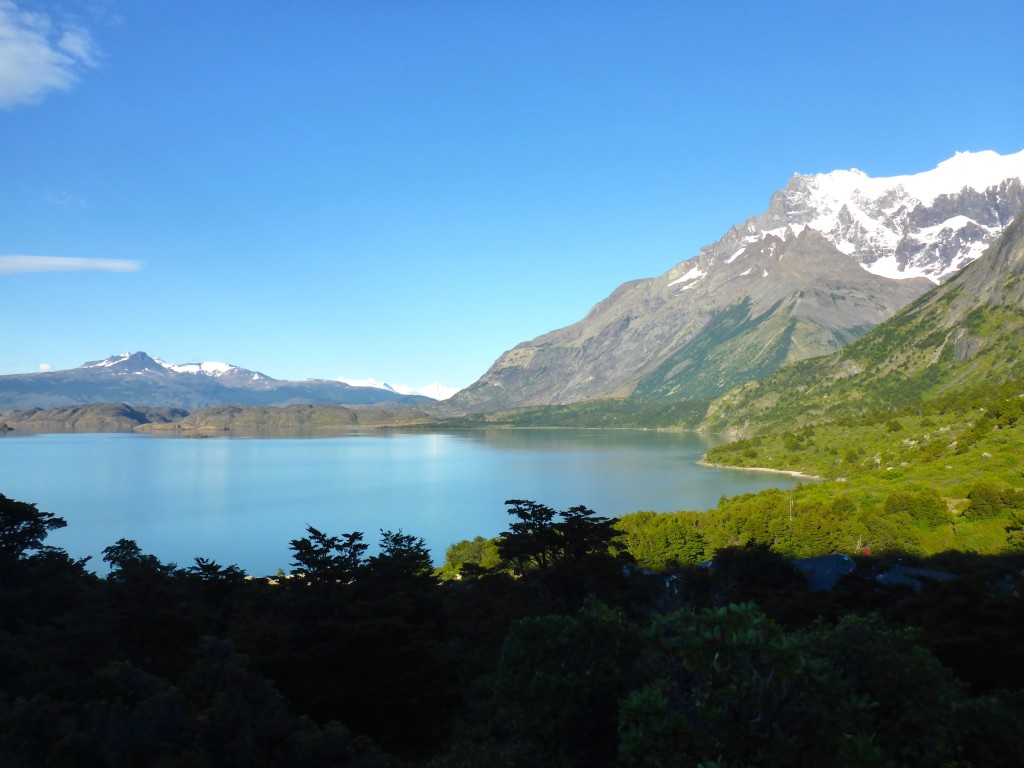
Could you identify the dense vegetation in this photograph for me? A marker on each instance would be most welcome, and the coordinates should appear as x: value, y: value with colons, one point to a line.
x: 940, y: 474
x: 546, y: 646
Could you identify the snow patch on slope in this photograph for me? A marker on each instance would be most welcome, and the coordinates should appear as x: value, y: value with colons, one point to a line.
x: 736, y: 255
x: 109, y: 361
x: 208, y: 368
x: 889, y: 266
x: 695, y: 274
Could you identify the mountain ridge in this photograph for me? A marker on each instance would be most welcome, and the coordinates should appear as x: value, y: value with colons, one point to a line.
x: 145, y: 381
x: 737, y: 311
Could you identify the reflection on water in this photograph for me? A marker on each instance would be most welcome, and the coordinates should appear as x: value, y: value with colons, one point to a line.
x: 242, y: 500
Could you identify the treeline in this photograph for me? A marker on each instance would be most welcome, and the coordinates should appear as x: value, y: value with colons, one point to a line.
x: 813, y: 520
x: 547, y: 646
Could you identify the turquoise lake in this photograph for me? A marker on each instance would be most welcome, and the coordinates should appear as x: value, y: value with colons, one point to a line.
x: 242, y: 500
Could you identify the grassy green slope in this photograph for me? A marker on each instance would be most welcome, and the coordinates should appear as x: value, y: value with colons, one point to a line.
x: 956, y: 446
x: 735, y: 348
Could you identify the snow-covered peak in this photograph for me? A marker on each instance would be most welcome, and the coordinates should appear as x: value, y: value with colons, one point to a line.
x: 373, y: 383
x: 436, y: 391
x: 127, y: 362
x: 928, y: 224
x: 972, y: 170
x: 965, y: 170
x: 113, y: 360
x: 140, y: 362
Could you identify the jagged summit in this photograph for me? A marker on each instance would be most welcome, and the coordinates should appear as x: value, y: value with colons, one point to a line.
x: 129, y: 362
x: 833, y: 255
x: 965, y: 170
x: 929, y: 224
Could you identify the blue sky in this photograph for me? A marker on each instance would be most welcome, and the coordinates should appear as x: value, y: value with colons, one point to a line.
x: 404, y: 190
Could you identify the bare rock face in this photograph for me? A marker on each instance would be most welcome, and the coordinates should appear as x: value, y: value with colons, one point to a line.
x: 834, y: 255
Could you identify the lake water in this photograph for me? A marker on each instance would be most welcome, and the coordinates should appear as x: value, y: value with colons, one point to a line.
x: 241, y: 501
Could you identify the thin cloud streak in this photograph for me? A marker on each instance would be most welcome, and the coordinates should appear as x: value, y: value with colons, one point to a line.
x: 15, y: 265
x: 67, y: 200
x: 37, y: 56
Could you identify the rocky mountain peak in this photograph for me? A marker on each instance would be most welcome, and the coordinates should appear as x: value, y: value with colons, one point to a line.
x: 832, y: 256
x: 929, y: 224
x: 129, y: 362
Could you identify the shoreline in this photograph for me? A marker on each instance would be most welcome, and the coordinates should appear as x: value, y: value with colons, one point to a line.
x: 790, y: 472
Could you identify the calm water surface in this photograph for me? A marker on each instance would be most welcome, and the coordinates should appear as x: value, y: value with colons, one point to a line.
x: 242, y: 500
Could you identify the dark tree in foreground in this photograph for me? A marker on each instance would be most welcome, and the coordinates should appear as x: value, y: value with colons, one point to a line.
x: 532, y: 539
x: 23, y: 528
x: 401, y: 555
x: 324, y: 559
x: 538, y: 540
x: 212, y: 571
x: 127, y: 559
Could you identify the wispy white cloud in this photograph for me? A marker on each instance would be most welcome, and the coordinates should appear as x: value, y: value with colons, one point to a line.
x: 13, y: 265
x: 45, y: 367
x: 67, y: 200
x: 39, y: 55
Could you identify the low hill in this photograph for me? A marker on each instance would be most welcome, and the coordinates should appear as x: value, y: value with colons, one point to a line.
x: 249, y: 420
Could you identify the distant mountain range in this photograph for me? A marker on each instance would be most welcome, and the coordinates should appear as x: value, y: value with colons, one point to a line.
x: 141, y: 380
x: 832, y: 256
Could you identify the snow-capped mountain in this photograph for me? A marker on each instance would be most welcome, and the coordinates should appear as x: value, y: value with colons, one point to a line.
x: 832, y: 256
x: 141, y: 380
x: 929, y: 224
x: 139, y: 362
x: 435, y: 391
